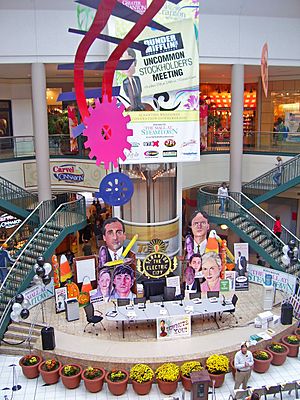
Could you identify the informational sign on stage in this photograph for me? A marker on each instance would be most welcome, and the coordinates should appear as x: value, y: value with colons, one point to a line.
x: 173, y: 327
x: 280, y: 280
x: 241, y: 257
x: 39, y: 293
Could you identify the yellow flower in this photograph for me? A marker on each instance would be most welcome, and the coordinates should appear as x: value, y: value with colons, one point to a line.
x: 217, y: 364
x: 190, y: 366
x: 141, y: 373
x: 168, y: 372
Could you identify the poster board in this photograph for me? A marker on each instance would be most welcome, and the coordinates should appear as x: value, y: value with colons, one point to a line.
x: 173, y: 327
x: 85, y: 266
x: 60, y: 298
x: 241, y: 259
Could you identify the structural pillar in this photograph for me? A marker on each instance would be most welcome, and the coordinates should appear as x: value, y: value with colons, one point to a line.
x: 236, y: 132
x: 40, y: 128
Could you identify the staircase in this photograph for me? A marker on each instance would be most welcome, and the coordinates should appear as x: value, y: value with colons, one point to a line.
x: 20, y: 338
x: 16, y: 200
x: 43, y: 240
x: 264, y: 187
x: 253, y: 227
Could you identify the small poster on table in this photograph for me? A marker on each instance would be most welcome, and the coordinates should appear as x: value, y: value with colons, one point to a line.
x: 60, y: 298
x: 173, y: 327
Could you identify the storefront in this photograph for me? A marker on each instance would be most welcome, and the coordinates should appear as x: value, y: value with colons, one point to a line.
x: 215, y: 107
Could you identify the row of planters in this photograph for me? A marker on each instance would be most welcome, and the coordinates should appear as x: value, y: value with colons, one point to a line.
x: 142, y: 376
x: 276, y: 353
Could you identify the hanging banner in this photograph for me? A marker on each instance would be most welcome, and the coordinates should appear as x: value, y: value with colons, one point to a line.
x: 241, y: 258
x: 173, y: 327
x: 163, y: 79
x: 264, y: 69
x: 264, y: 276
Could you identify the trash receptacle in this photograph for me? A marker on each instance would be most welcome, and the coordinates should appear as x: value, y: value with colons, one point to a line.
x: 286, y: 314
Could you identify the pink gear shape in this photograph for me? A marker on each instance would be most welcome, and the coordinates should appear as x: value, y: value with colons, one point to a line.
x: 107, y: 132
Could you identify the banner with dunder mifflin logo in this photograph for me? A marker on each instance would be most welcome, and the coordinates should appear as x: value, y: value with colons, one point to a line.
x: 160, y: 90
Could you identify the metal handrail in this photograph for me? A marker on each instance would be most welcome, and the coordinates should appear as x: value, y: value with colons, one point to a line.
x: 7, y: 308
x: 245, y: 210
x: 23, y: 223
x: 267, y: 177
x: 286, y: 231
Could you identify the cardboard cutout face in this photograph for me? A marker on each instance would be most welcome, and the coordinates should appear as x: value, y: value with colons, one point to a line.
x: 114, y: 236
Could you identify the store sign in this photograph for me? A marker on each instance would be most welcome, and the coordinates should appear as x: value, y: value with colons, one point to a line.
x: 65, y: 175
x: 280, y: 280
x: 8, y: 221
x: 68, y: 173
x: 39, y: 293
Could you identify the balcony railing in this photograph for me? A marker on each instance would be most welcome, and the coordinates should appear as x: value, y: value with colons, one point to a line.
x: 60, y: 145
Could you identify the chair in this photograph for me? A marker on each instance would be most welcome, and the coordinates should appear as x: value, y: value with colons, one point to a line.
x: 91, y: 317
x: 196, y: 295
x: 273, y: 390
x: 212, y: 293
x: 169, y: 293
x: 123, y: 302
x: 156, y: 299
x: 232, y: 312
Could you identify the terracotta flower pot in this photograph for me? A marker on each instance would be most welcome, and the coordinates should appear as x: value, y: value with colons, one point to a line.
x: 293, y: 348
x: 49, y: 377
x: 278, y: 358
x: 297, y: 332
x: 262, y: 366
x: 94, y: 385
x: 30, y: 371
x: 73, y: 381
x: 186, y: 383
x: 219, y: 379
x: 142, y: 388
x: 119, y: 387
x: 167, y: 387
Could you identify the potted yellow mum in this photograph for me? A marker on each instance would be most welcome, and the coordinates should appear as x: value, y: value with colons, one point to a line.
x: 217, y: 366
x: 142, y: 377
x: 185, y: 371
x: 30, y: 365
x: 167, y: 376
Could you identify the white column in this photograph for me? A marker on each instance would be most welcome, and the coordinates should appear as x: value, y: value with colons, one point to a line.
x: 40, y: 127
x: 236, y: 131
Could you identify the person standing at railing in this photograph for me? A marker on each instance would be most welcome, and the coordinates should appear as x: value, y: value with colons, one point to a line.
x: 277, y: 229
x: 4, y: 259
x: 278, y: 173
x: 223, y: 196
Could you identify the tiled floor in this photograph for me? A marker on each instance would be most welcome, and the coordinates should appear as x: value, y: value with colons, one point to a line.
x: 35, y: 390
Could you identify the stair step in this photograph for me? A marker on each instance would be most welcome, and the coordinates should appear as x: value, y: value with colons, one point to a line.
x: 13, y: 337
x: 14, y: 350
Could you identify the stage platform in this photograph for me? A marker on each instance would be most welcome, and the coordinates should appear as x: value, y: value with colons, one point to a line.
x: 109, y: 349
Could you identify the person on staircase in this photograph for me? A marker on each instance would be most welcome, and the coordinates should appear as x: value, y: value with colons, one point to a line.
x: 278, y: 172
x: 223, y: 197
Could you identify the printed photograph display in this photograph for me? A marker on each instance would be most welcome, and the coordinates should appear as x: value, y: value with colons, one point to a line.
x: 241, y: 258
x: 60, y: 298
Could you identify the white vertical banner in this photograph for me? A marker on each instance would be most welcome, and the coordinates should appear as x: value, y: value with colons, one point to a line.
x: 241, y: 259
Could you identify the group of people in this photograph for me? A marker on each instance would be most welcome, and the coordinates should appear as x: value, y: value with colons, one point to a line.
x: 118, y: 281
x: 203, y: 266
